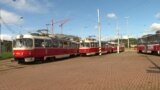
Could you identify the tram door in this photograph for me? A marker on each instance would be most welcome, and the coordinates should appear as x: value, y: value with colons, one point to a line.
x: 39, y: 48
x: 49, y: 50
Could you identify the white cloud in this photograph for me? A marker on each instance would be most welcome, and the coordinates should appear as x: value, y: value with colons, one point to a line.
x: 125, y: 36
x: 155, y: 26
x: 6, y: 37
x: 28, y: 5
x: 157, y: 15
x: 120, y: 37
x: 111, y: 15
x: 10, y: 18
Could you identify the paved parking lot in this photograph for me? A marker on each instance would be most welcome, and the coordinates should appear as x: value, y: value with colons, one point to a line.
x: 124, y: 71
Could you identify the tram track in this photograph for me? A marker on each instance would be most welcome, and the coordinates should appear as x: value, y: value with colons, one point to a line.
x: 9, y: 65
x: 10, y: 68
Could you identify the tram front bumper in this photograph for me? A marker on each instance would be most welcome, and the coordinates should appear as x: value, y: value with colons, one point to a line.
x: 29, y: 59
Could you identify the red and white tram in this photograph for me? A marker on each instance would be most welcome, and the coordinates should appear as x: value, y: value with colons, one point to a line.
x: 90, y: 46
x: 149, y: 43
x: 29, y: 47
x: 114, y: 47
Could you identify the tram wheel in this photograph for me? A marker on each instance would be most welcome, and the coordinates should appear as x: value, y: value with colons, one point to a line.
x: 39, y: 60
x: 21, y: 61
x: 139, y: 51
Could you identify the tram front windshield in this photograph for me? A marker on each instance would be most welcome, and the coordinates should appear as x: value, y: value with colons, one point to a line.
x: 85, y: 44
x: 25, y: 42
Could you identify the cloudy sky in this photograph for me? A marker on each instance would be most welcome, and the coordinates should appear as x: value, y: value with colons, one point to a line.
x: 23, y: 16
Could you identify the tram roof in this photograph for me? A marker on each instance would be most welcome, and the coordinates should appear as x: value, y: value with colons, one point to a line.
x: 158, y: 32
x: 87, y: 41
x: 31, y: 36
x: 55, y: 36
x: 148, y: 35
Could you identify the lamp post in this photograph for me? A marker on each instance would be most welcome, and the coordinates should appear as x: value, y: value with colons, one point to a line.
x: 0, y: 32
x: 127, y: 29
x: 20, y: 19
x: 117, y: 30
x: 99, y: 32
x: 118, y: 39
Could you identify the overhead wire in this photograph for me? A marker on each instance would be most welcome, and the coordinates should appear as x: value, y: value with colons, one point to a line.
x: 7, y: 26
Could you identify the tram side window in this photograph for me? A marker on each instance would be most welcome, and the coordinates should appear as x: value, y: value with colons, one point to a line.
x: 87, y: 44
x: 74, y: 45
x: 60, y: 44
x: 92, y: 44
x: 158, y: 38
x: 39, y: 42
x: 29, y: 42
x: 69, y: 45
x: 149, y: 41
x: 49, y: 43
x: 55, y: 43
x: 103, y: 44
x: 155, y: 41
x: 81, y: 44
x: 96, y: 44
x: 77, y: 45
x: 65, y: 44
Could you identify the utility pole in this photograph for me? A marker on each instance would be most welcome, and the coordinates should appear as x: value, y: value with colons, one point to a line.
x: 0, y: 32
x: 117, y: 38
x: 127, y: 30
x: 52, y: 26
x: 99, y: 33
x: 20, y: 19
